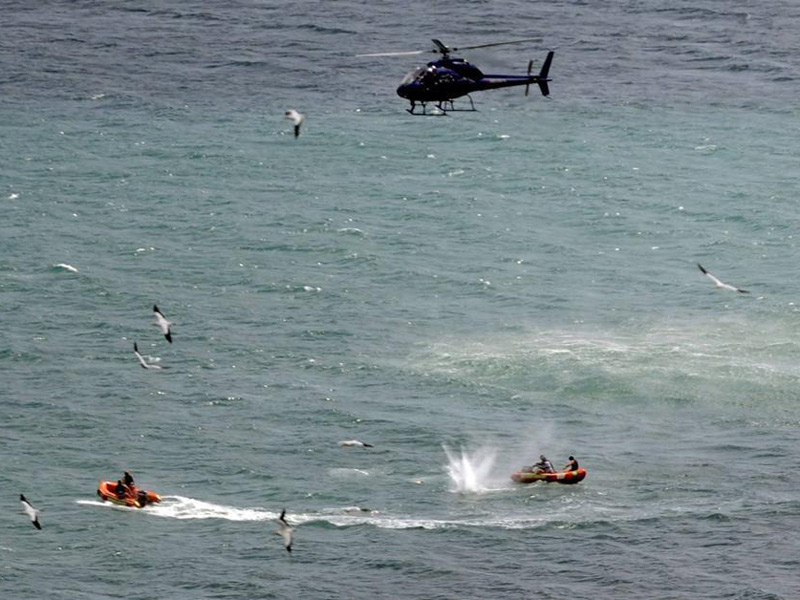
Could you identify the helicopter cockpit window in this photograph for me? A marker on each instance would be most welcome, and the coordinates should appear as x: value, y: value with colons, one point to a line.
x: 412, y: 76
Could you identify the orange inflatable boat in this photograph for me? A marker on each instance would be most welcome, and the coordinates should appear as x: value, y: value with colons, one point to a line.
x: 133, y: 496
x: 561, y: 477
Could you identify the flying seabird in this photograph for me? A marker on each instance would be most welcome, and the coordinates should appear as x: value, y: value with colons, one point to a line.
x: 355, y: 443
x: 30, y: 511
x: 286, y: 531
x: 162, y: 323
x: 296, y: 118
x: 142, y: 362
x: 720, y: 284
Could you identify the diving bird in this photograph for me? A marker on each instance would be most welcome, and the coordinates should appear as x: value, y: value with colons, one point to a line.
x: 296, y: 118
x: 30, y: 511
x: 720, y: 284
x: 142, y: 362
x: 162, y: 323
x: 286, y: 531
x: 355, y: 443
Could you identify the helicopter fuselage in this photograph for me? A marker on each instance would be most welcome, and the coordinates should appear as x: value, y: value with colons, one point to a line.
x: 448, y: 79
x: 444, y: 80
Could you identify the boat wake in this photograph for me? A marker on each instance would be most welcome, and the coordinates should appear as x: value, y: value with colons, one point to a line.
x: 180, y: 507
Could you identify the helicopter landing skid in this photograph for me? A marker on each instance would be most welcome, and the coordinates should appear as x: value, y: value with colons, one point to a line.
x: 443, y: 107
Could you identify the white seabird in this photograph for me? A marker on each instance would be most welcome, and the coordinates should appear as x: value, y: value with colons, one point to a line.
x: 720, y: 284
x: 145, y: 364
x: 162, y: 323
x: 296, y: 118
x: 66, y: 267
x: 286, y: 531
x: 30, y: 511
x: 358, y: 443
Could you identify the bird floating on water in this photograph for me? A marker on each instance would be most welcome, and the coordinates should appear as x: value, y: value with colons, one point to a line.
x: 720, y: 284
x: 296, y: 118
x: 359, y: 443
x: 162, y: 323
x: 30, y: 511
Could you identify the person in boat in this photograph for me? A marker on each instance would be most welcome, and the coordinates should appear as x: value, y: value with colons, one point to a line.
x: 128, y: 480
x: 120, y: 490
x: 543, y: 466
x: 572, y: 465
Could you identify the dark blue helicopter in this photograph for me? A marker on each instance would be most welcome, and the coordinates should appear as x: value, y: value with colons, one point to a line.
x: 442, y: 81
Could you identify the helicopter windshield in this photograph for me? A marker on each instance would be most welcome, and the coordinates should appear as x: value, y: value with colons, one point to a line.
x: 412, y: 76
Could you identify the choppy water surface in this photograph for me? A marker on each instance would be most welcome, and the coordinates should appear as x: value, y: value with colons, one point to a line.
x: 464, y: 293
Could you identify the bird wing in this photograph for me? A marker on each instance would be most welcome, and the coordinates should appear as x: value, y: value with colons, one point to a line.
x: 287, y: 538
x: 139, y: 356
x: 29, y: 510
x: 294, y: 116
x: 709, y: 275
x: 163, y: 324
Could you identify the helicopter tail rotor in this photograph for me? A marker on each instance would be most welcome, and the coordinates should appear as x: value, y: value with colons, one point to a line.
x: 528, y: 86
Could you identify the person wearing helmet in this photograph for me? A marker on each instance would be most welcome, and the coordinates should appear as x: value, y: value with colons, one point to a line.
x: 543, y: 466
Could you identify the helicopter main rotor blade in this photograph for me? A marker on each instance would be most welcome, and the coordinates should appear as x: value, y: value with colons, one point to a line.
x: 496, y: 44
x: 411, y: 53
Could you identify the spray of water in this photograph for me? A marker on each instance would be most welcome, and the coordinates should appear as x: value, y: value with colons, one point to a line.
x: 470, y: 472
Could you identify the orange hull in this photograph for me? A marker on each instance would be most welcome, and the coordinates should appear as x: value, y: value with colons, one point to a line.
x: 133, y: 496
x: 562, y: 477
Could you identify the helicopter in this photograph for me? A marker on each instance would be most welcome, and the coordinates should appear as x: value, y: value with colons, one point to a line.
x: 444, y: 80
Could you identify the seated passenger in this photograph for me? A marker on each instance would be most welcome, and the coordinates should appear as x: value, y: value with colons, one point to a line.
x: 120, y: 490
x: 128, y: 480
x: 572, y: 465
x: 543, y: 466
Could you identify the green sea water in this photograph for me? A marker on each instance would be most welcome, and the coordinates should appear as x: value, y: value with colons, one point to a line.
x: 464, y: 293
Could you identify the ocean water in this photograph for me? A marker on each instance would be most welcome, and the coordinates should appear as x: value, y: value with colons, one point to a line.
x: 463, y: 292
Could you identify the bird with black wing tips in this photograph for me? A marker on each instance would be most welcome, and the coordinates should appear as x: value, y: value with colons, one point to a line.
x: 162, y: 323
x: 359, y: 443
x: 142, y: 361
x: 719, y: 284
x: 286, y: 531
x: 296, y: 118
x: 32, y: 513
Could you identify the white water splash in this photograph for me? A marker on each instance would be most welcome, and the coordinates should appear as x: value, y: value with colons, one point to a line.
x: 470, y: 473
